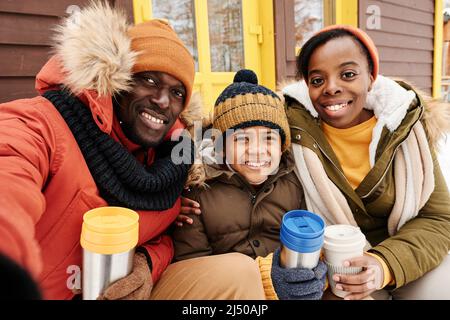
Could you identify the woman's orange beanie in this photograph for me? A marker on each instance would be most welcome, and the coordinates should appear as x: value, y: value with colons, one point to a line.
x: 160, y: 49
x: 364, y: 38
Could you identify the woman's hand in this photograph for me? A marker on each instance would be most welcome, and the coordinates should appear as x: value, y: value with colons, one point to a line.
x: 188, y: 207
x: 362, y: 284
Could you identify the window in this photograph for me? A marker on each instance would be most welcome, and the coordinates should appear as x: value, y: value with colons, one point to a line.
x: 225, y: 35
x: 309, y: 18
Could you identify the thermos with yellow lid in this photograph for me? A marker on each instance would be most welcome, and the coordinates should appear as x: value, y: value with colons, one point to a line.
x: 109, y: 236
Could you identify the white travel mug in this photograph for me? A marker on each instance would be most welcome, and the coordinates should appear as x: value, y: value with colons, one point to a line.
x: 342, y: 242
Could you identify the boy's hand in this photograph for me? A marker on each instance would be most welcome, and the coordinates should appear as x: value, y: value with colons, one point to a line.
x: 188, y: 207
x: 362, y: 284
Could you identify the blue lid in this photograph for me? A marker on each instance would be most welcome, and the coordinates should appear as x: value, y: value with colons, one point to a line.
x: 302, y: 231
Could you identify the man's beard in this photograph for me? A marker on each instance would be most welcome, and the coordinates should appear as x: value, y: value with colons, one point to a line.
x: 132, y: 136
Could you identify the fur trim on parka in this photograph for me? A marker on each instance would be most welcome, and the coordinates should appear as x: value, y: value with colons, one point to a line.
x: 95, y: 50
x: 195, y: 118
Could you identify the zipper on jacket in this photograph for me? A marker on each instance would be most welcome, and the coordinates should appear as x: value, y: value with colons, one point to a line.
x: 254, y: 196
x: 384, y: 173
x: 393, y: 155
x: 250, y: 189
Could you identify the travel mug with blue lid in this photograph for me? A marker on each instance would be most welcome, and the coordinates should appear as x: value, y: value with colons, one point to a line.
x: 302, y: 236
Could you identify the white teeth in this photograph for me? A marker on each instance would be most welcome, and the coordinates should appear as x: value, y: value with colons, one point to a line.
x: 257, y: 164
x: 336, y: 107
x: 153, y: 119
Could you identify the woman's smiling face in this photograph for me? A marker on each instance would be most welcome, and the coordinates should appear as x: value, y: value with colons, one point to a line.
x: 338, y: 81
x: 151, y: 108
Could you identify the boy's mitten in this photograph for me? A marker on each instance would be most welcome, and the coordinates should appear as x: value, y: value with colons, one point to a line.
x: 298, y: 283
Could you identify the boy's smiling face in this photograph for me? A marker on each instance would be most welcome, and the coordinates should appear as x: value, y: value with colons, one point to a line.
x: 338, y: 81
x: 254, y: 153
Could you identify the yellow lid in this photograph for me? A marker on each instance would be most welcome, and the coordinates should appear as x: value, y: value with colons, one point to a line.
x: 109, y: 230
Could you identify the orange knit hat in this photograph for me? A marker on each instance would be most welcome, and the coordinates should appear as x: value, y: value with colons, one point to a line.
x: 160, y: 49
x: 364, y: 38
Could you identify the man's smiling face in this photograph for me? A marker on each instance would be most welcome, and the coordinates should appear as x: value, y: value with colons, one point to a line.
x: 151, y: 108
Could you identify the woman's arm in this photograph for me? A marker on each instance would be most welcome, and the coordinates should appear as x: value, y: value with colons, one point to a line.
x: 422, y: 243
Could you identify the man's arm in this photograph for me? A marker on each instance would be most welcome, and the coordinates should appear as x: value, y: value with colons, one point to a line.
x: 159, y: 253
x: 25, y: 151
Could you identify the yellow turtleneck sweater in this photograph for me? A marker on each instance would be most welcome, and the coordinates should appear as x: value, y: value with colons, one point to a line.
x: 351, y: 147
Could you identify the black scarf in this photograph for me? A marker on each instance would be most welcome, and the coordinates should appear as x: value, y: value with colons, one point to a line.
x: 121, y: 179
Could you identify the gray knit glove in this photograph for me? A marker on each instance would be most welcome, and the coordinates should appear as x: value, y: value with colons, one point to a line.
x: 298, y: 283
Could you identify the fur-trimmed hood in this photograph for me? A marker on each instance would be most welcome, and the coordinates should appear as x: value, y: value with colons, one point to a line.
x: 95, y: 50
x: 389, y: 100
x: 93, y: 59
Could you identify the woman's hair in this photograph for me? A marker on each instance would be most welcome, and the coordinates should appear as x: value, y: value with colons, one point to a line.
x: 320, y: 39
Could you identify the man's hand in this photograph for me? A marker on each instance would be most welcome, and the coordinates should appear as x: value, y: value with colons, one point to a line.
x: 362, y: 284
x: 137, y: 285
x: 188, y: 207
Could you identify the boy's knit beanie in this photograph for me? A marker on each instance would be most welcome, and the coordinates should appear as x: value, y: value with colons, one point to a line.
x: 244, y: 103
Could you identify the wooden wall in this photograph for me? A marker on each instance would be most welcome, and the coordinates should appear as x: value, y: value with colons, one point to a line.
x: 284, y: 40
x: 405, y: 40
x: 25, y: 41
